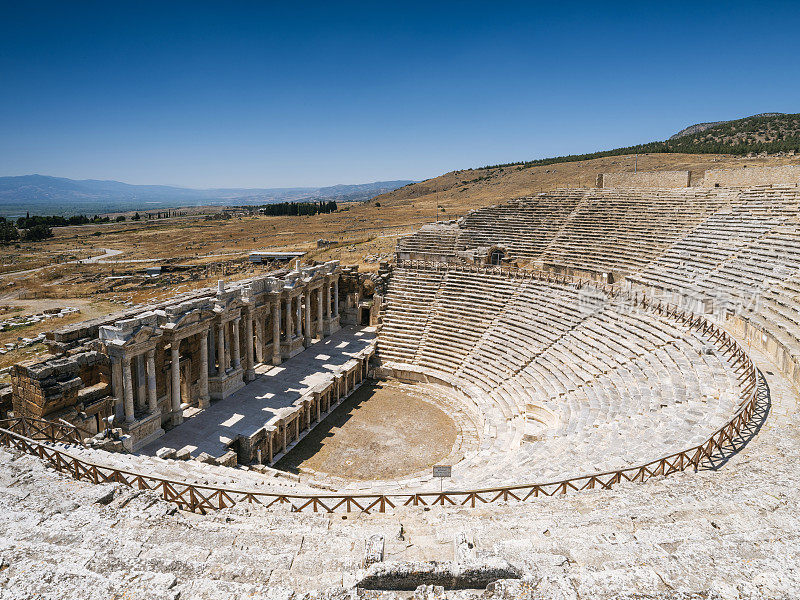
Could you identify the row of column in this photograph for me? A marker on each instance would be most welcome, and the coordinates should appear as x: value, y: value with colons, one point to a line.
x: 222, y: 355
x: 203, y: 399
x: 123, y: 385
x: 225, y: 354
x: 287, y: 319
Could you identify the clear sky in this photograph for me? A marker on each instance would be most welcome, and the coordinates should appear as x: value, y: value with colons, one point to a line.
x: 256, y: 94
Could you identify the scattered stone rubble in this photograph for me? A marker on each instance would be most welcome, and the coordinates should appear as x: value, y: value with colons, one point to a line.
x: 16, y: 322
x: 383, y: 257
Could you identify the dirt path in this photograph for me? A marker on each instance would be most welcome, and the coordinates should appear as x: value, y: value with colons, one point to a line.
x: 107, y: 253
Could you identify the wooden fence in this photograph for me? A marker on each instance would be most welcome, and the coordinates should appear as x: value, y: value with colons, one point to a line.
x: 36, y: 437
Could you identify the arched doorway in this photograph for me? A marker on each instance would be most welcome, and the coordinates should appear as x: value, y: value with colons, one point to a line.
x: 364, y: 315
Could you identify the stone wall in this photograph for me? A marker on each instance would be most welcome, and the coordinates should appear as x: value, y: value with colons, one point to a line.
x: 75, y: 388
x: 363, y: 295
x: 6, y: 405
x: 750, y: 176
x: 645, y: 179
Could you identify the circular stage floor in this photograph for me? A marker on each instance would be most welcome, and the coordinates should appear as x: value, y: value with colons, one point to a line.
x: 385, y: 430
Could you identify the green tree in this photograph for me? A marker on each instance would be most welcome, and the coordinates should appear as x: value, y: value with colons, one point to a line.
x: 37, y: 233
x: 8, y: 232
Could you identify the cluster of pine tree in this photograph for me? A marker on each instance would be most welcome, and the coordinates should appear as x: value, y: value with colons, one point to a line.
x: 8, y: 231
x: 33, y: 232
x: 282, y: 209
x: 29, y: 221
x: 39, y: 227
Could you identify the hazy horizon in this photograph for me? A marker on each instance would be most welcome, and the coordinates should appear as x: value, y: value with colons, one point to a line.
x: 200, y: 189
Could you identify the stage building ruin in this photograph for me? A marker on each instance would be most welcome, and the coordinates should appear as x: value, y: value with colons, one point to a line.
x: 146, y: 366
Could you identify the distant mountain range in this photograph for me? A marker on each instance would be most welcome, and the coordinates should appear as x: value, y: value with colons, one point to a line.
x: 41, y: 194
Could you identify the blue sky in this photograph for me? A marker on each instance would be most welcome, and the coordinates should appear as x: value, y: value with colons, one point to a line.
x: 256, y: 94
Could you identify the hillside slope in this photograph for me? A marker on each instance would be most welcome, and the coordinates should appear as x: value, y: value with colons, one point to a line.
x: 772, y: 133
x: 760, y: 133
x: 453, y: 194
x: 725, y: 144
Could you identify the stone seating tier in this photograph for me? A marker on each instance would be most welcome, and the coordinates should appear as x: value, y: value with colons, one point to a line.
x: 605, y: 370
x: 734, y: 251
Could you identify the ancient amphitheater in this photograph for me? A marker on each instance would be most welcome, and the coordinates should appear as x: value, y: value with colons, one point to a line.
x: 618, y: 366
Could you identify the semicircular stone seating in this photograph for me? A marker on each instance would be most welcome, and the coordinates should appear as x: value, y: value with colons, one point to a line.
x: 558, y: 380
x: 564, y: 380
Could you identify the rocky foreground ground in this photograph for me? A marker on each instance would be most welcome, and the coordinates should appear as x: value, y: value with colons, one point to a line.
x: 733, y: 532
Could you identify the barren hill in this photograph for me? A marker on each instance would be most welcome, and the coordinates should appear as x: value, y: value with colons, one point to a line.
x: 459, y: 191
x: 724, y: 144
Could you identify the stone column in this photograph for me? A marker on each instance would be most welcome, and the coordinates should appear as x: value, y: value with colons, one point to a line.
x: 249, y: 371
x: 177, y: 415
x: 299, y: 316
x: 327, y: 299
x: 259, y: 338
x: 319, y: 313
x: 289, y: 320
x: 118, y: 387
x: 212, y: 349
x: 276, y: 332
x: 237, y: 348
x: 152, y: 389
x: 221, y: 348
x: 226, y: 331
x: 204, y: 401
x: 336, y: 297
x: 127, y: 378
x: 141, y: 382
x: 307, y: 332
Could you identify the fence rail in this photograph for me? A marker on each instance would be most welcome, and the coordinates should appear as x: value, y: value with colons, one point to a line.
x: 34, y: 436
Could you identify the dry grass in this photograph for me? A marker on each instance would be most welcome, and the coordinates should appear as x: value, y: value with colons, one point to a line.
x: 360, y: 231
x: 21, y: 308
x: 16, y: 356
